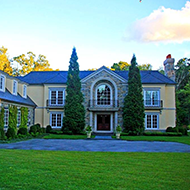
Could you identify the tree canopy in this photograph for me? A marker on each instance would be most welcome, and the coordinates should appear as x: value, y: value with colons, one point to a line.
x: 5, y: 64
x: 133, y: 110
x: 183, y: 91
x: 30, y: 63
x: 124, y: 66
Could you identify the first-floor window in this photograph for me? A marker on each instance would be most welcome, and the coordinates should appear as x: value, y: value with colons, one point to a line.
x: 18, y: 118
x: 6, y: 117
x: 152, y: 121
x: 29, y: 117
x: 56, y: 119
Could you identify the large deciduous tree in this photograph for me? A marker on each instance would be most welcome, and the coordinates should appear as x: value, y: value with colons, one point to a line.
x: 183, y: 91
x: 31, y: 63
x: 124, y: 66
x: 133, y: 110
x: 74, y: 118
x: 5, y: 64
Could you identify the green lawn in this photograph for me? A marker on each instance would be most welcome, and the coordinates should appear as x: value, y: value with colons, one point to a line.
x: 182, y: 139
x: 30, y: 169
x: 61, y: 136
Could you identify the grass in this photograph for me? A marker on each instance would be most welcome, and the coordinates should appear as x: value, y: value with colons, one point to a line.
x: 61, y: 136
x: 30, y: 169
x: 181, y: 139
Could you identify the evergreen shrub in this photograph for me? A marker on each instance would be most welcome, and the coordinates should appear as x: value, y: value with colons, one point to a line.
x: 48, y: 129
x: 10, y: 133
x: 22, y: 131
x: 33, y: 129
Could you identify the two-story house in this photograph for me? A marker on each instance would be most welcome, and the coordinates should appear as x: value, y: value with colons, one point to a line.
x: 14, y: 92
x: 104, y: 91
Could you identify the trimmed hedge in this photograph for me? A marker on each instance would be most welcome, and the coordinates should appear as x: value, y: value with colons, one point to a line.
x: 162, y: 134
x: 182, y: 130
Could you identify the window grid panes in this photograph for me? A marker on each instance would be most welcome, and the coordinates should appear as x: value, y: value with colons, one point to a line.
x: 152, y: 121
x: 57, y: 97
x: 14, y: 87
x: 2, y: 82
x: 24, y: 91
x: 103, y: 95
x: 151, y: 98
x: 6, y: 117
x: 56, y: 119
x: 18, y: 118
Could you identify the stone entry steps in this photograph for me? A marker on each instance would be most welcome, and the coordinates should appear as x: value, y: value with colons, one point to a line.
x: 106, y: 136
x: 102, y: 137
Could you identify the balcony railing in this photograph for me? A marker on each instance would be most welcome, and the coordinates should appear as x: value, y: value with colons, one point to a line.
x: 103, y: 104
x: 153, y: 104
x: 55, y: 103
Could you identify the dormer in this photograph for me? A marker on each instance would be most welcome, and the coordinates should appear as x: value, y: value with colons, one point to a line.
x: 22, y: 89
x: 2, y: 82
x: 12, y: 85
x: 15, y: 87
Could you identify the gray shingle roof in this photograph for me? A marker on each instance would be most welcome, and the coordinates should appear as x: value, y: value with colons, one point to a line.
x: 7, y: 96
x: 60, y: 77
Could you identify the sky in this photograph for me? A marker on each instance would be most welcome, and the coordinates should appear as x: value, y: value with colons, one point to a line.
x: 103, y: 31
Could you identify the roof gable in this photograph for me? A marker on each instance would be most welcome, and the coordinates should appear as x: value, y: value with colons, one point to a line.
x: 101, y: 69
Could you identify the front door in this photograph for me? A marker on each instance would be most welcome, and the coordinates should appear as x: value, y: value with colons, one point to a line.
x: 103, y: 122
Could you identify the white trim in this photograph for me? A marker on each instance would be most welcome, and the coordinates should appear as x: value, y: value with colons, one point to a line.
x: 24, y: 91
x: 91, y: 118
x: 2, y: 79
x: 111, y: 122
x: 151, y: 90
x: 108, y: 79
x: 57, y: 90
x: 103, y: 68
x: 151, y: 114
x: 111, y: 94
x: 116, y: 119
x: 15, y: 87
x: 50, y: 118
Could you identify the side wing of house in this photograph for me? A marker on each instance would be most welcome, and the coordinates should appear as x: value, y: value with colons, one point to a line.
x: 159, y: 102
x: 14, y: 92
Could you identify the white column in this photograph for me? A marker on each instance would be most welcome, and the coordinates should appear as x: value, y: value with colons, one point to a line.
x: 116, y: 120
x: 91, y: 115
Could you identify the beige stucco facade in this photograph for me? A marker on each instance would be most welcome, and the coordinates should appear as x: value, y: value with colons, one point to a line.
x: 163, y: 114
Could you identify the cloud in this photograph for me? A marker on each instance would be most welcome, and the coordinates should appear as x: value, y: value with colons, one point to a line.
x: 163, y: 25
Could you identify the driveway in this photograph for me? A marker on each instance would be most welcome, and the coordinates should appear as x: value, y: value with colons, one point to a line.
x: 97, y: 145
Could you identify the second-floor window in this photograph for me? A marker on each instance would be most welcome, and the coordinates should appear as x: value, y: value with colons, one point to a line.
x: 15, y: 84
x: 103, y: 95
x: 152, y: 97
x: 56, y: 97
x: 2, y: 83
x: 24, y: 91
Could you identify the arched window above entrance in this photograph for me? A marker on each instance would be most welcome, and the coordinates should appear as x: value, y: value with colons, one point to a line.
x: 103, y: 94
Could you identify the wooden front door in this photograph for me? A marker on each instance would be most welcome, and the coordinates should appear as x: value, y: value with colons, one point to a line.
x: 103, y: 122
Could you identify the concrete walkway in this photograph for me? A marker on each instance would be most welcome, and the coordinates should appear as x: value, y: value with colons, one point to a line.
x: 98, y: 145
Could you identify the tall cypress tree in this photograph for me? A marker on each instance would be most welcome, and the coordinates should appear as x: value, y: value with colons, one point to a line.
x: 133, y: 110
x: 74, y: 112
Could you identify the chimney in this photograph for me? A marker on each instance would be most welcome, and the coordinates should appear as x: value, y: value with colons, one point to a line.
x: 169, y: 67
